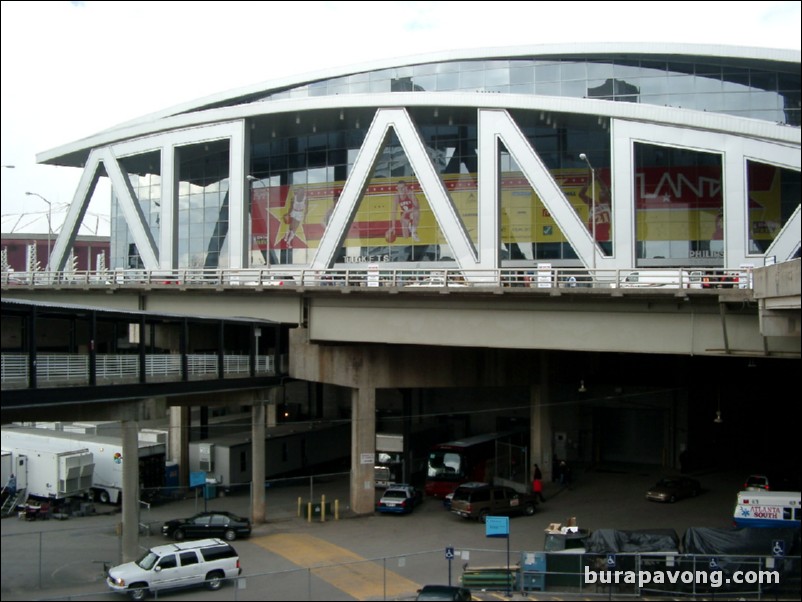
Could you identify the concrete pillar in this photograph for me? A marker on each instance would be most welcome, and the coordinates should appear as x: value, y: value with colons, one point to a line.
x: 258, y: 455
x: 363, y: 449
x: 273, y: 396
x: 130, y: 493
x: 179, y: 442
x: 540, y: 422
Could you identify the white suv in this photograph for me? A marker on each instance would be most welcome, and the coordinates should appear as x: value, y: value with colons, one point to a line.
x: 208, y: 561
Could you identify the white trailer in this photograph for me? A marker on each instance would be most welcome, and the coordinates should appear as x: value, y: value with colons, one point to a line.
x: 47, y: 471
x: 107, y: 478
x: 7, y: 464
x: 291, y: 449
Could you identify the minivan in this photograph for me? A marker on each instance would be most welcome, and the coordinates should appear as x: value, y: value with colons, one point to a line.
x: 206, y: 561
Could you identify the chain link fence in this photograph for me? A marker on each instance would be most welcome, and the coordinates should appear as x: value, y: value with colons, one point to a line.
x: 486, y: 571
x: 290, y: 559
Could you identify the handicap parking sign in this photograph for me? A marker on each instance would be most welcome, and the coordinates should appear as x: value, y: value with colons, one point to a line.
x: 610, y: 561
x: 449, y: 553
x: 778, y: 548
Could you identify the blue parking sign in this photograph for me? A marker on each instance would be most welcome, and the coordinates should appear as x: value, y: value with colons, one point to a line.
x: 497, y: 526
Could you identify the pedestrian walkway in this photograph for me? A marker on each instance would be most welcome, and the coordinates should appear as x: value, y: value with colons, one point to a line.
x: 345, y: 570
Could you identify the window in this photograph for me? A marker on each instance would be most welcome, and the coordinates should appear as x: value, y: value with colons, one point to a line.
x: 201, y: 521
x: 217, y: 552
x: 188, y: 558
x: 482, y: 495
x: 167, y: 562
x: 678, y: 206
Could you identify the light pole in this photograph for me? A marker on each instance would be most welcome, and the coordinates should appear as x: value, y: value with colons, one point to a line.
x: 49, y: 223
x: 584, y: 157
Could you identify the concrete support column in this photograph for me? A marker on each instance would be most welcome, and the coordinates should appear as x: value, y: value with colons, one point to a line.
x: 273, y: 395
x: 363, y: 449
x: 540, y: 422
x: 258, y: 455
x: 130, y: 493
x: 179, y: 442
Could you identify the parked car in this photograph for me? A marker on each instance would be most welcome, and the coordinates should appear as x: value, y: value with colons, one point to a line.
x: 208, y: 561
x: 672, y: 489
x: 756, y: 482
x: 775, y: 481
x: 443, y: 592
x: 208, y: 524
x: 480, y: 500
x: 399, y: 499
x: 447, y: 500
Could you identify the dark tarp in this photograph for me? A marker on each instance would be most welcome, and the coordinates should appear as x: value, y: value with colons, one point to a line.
x: 745, y: 541
x: 614, y: 541
x: 733, y: 550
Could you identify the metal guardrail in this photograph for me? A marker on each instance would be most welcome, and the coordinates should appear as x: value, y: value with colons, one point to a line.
x: 71, y: 369
x: 543, y: 276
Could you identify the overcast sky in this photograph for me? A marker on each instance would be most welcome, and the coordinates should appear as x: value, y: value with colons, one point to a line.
x: 71, y: 69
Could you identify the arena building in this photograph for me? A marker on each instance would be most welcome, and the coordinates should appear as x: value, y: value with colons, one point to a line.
x: 587, y: 157
x: 597, y: 155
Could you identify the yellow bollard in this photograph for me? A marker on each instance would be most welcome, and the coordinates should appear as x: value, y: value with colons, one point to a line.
x: 309, y: 512
x: 336, y: 509
x: 300, y: 505
x: 322, y: 508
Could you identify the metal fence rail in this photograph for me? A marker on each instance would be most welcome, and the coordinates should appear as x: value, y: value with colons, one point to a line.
x: 539, y: 276
x: 59, y: 369
x: 116, y: 367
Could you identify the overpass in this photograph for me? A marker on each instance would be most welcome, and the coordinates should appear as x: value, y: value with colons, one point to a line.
x: 683, y: 311
x: 374, y: 330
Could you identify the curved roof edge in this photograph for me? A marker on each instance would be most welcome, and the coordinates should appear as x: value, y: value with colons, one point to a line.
x: 541, y: 50
x: 74, y: 154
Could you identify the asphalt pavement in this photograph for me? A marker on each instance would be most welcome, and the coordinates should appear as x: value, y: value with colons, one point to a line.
x: 376, y: 557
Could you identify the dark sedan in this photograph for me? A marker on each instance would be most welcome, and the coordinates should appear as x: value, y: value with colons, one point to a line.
x: 443, y: 592
x: 208, y: 524
x: 672, y: 489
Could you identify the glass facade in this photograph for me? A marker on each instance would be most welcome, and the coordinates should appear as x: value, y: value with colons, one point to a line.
x: 299, y: 163
x: 679, y: 206
x: 144, y: 175
x: 773, y: 195
x: 296, y: 181
x: 202, y: 206
x: 713, y: 85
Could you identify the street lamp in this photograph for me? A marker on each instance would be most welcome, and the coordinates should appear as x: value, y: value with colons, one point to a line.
x: 584, y: 158
x: 49, y: 223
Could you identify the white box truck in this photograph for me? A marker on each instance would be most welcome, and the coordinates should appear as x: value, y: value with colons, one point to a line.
x: 107, y: 452
x: 48, y: 471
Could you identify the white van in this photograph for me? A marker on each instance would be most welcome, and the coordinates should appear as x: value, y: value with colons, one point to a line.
x: 761, y: 508
x: 206, y: 561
